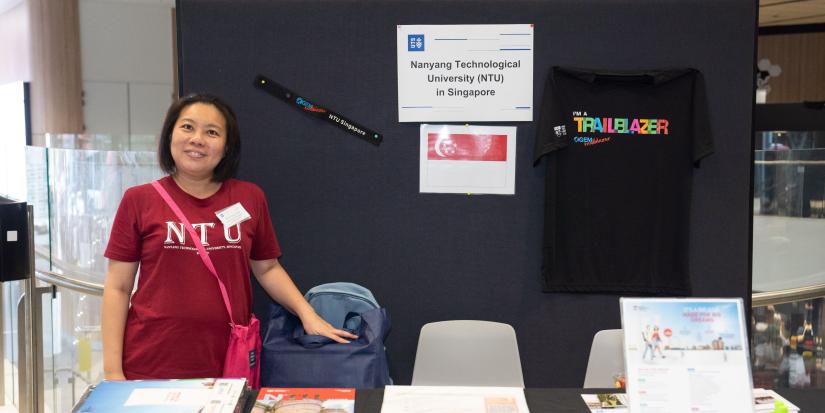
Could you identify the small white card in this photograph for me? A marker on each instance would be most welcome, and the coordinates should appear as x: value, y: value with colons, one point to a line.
x: 233, y: 215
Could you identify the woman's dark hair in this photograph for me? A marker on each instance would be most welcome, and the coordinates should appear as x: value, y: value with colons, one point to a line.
x: 228, y: 166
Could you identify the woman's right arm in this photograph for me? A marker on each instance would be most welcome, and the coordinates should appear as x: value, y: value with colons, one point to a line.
x: 120, y: 278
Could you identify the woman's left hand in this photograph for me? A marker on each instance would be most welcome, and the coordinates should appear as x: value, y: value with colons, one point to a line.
x: 277, y: 283
x: 314, y: 324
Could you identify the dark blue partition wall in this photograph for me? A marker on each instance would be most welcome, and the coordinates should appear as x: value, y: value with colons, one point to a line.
x: 347, y: 210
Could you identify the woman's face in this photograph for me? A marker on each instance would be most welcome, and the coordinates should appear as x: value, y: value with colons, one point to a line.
x: 198, y: 141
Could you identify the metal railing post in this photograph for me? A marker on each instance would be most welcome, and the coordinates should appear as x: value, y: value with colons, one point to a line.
x: 25, y: 393
x: 30, y: 367
x: 30, y: 361
x: 2, y: 350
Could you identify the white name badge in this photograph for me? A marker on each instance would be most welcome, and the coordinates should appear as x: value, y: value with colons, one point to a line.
x: 233, y: 215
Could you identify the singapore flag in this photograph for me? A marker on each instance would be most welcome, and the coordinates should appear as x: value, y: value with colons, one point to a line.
x: 468, y: 159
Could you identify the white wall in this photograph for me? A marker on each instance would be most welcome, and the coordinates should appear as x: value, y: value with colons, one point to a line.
x: 787, y: 252
x: 13, y: 141
x: 15, y: 68
x: 126, y: 56
x: 15, y: 53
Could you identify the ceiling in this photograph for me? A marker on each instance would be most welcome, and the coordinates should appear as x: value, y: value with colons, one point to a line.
x: 771, y: 12
x: 8, y: 4
x: 791, y: 12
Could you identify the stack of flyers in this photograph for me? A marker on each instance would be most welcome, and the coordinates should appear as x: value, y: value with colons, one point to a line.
x: 763, y: 401
x: 278, y: 400
x: 606, y: 402
x: 165, y: 396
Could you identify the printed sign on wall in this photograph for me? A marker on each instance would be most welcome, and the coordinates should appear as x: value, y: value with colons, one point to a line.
x: 468, y: 159
x: 449, y: 73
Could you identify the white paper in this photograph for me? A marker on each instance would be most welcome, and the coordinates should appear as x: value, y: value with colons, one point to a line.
x: 233, y: 215
x: 764, y: 401
x: 221, y: 397
x: 449, y: 399
x: 686, y: 355
x: 168, y: 397
x: 465, y: 73
x: 467, y: 159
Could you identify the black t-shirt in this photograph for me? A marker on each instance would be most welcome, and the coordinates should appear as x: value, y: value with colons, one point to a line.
x: 621, y: 148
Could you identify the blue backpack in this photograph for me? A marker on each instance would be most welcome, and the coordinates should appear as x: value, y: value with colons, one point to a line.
x: 335, y: 302
x: 292, y: 358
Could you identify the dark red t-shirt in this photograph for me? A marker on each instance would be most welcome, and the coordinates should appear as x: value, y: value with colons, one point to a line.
x: 177, y: 325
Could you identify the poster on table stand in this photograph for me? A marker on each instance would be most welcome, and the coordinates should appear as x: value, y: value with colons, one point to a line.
x: 686, y: 355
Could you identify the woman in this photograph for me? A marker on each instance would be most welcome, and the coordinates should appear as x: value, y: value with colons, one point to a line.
x: 656, y: 339
x: 177, y: 325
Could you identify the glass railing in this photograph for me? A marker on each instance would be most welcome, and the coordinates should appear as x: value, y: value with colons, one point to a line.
x: 75, y: 194
x: 788, y: 318
x: 789, y: 219
x: 98, y: 142
x: 786, y: 344
x: 11, y: 299
x: 85, y: 188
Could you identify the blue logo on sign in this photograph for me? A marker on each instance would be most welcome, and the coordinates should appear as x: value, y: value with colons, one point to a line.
x: 415, y: 42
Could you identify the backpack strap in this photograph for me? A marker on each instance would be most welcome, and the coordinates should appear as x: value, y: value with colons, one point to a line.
x: 196, y: 239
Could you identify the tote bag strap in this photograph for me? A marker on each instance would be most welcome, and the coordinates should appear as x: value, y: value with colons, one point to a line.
x: 201, y: 250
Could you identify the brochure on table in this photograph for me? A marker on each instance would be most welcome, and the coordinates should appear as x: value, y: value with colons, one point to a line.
x: 164, y: 396
x: 765, y: 401
x: 450, y: 399
x: 606, y: 402
x: 285, y: 400
x: 686, y: 355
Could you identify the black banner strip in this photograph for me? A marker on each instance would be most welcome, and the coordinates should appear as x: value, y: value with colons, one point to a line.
x: 306, y: 106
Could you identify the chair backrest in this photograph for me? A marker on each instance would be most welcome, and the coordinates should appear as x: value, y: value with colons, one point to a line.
x: 333, y: 301
x: 467, y: 353
x: 606, y: 359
